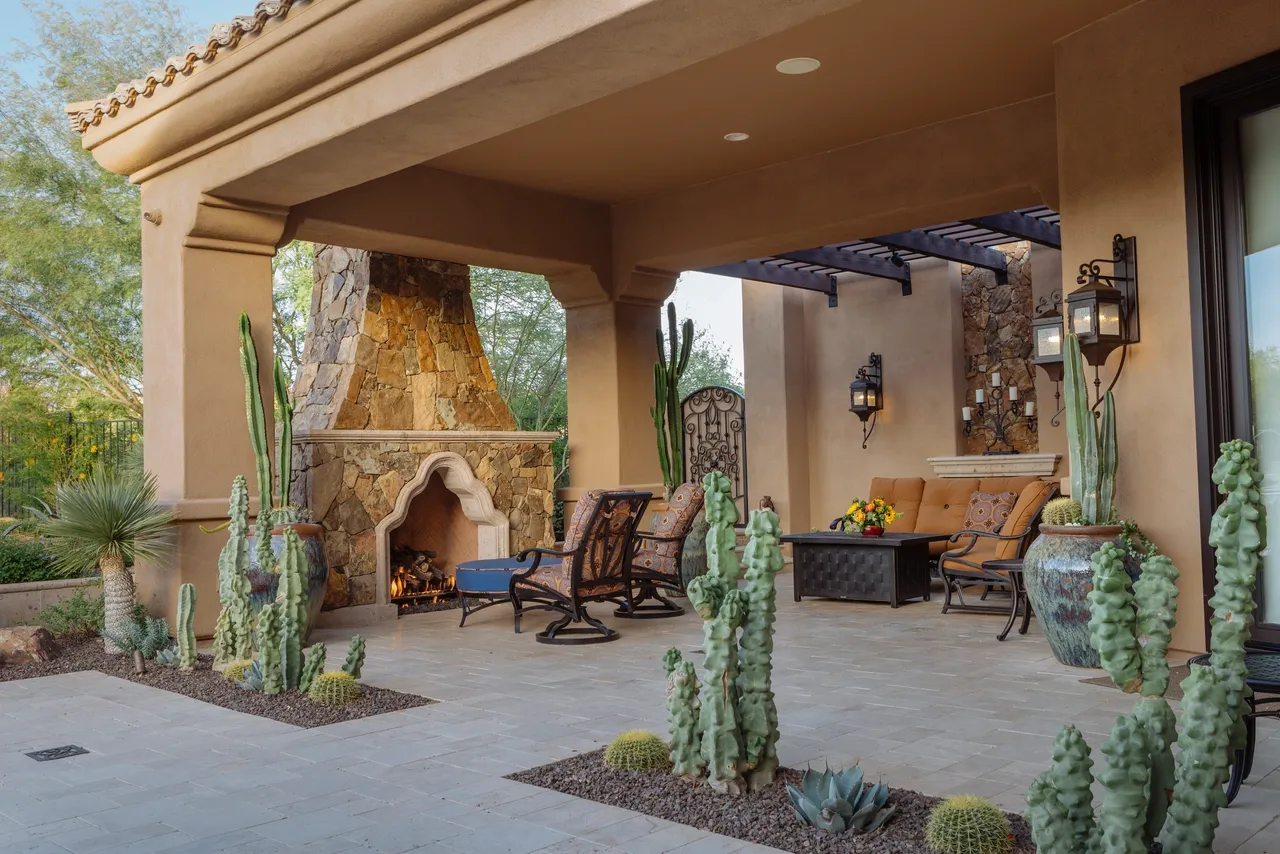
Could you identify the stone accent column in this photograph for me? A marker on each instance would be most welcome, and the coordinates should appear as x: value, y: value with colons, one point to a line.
x: 997, y: 337
x: 392, y: 345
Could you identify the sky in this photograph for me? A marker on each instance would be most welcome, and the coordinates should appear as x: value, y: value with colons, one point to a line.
x: 714, y: 302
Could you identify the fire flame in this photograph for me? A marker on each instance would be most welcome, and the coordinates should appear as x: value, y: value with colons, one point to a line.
x: 400, y: 585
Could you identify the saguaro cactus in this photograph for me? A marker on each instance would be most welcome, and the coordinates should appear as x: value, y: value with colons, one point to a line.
x: 185, y: 628
x: 756, y: 705
x: 673, y: 358
x: 1093, y: 456
x: 292, y: 602
x: 269, y: 649
x: 682, y: 716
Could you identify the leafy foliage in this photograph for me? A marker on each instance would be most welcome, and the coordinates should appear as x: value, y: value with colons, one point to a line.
x: 106, y: 517
x: 148, y: 635
x: 77, y: 617
x: 25, y: 560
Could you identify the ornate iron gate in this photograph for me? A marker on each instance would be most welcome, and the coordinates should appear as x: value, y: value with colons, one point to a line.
x: 715, y: 439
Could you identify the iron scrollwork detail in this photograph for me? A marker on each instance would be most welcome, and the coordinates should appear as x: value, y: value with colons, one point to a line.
x: 715, y: 439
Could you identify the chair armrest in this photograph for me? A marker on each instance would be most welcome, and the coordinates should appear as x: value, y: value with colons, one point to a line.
x: 538, y: 555
x: 971, y: 533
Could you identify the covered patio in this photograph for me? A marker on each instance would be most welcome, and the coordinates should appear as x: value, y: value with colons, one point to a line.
x: 923, y: 701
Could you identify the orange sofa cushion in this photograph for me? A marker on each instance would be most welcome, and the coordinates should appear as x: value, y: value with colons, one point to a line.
x: 904, y: 494
x: 943, y: 505
x: 1031, y: 498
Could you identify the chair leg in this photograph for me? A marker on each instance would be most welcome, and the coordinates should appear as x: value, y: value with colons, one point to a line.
x: 946, y: 590
x: 559, y: 631
x: 634, y: 609
x: 1026, y: 609
x: 519, y: 608
x: 1013, y: 615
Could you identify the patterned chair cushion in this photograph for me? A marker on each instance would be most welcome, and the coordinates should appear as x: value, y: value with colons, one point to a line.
x: 557, y: 577
x: 660, y: 557
x: 988, y: 511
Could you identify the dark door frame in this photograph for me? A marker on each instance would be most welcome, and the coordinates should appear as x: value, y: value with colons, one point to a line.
x: 1211, y: 110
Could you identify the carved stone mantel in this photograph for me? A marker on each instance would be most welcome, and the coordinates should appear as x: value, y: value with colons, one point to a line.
x: 1003, y: 465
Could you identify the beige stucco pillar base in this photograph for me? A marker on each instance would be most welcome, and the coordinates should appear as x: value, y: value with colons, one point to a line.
x: 609, y: 339
x: 205, y: 261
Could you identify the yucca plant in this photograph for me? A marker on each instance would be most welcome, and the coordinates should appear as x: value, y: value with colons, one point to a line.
x: 110, y: 522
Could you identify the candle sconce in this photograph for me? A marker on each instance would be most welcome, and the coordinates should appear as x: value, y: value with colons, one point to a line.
x: 995, y: 418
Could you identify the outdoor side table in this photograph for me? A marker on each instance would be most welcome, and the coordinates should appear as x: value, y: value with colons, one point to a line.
x: 1012, y: 568
x: 834, y: 565
x: 487, y: 580
x: 1263, y: 676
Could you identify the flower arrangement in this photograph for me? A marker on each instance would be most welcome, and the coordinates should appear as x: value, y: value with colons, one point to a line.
x: 869, y: 517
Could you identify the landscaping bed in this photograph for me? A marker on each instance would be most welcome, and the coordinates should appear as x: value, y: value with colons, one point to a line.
x: 207, y: 685
x: 763, y: 817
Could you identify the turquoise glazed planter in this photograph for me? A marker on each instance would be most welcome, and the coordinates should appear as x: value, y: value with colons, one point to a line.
x: 1058, y: 578
x: 263, y: 584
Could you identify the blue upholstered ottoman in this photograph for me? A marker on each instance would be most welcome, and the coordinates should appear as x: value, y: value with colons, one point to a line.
x: 487, y: 580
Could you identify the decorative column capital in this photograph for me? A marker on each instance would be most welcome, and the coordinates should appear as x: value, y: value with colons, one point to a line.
x: 227, y: 226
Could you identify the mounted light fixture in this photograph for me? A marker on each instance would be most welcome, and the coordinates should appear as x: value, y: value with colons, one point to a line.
x: 798, y: 65
x: 737, y: 136
x: 866, y: 395
x: 1047, y: 338
x: 1103, y: 312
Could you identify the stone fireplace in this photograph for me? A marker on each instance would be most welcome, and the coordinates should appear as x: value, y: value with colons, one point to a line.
x: 404, y: 447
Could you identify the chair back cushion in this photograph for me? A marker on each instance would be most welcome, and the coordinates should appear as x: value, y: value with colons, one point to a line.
x: 1024, y: 513
x: 944, y: 503
x: 988, y: 511
x: 675, y: 522
x: 603, y: 542
x: 904, y: 493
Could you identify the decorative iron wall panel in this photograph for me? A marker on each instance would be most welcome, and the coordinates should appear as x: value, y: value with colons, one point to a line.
x: 715, y: 439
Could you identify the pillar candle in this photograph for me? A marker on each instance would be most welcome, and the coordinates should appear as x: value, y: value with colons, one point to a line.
x: 966, y: 413
x: 995, y: 380
x: 979, y: 396
x: 1031, y: 408
x: 1013, y: 392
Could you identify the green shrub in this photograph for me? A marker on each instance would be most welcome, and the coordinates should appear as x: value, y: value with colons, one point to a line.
x: 24, y: 560
x: 79, y: 616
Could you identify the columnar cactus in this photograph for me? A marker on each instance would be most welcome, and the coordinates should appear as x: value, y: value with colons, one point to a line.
x: 1156, y: 592
x: 269, y: 649
x: 722, y: 536
x: 682, y: 717
x: 255, y: 414
x: 185, y: 627
x: 1091, y: 448
x: 1238, y: 533
x: 1071, y: 776
x: 1125, y: 776
x: 756, y: 708
x: 312, y: 667
x: 291, y: 599
x: 284, y: 418
x: 232, y: 637
x: 1112, y: 619
x: 1161, y: 727
x: 722, y: 744
x: 1051, y: 828
x: 1202, y: 765
x: 355, y: 657
x: 673, y: 358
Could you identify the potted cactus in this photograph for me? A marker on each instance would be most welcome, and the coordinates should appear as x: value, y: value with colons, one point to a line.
x: 1056, y: 568
x: 266, y: 541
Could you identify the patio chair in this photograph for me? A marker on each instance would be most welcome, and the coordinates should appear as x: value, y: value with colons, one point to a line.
x: 656, y: 564
x: 592, y: 567
x: 965, y: 565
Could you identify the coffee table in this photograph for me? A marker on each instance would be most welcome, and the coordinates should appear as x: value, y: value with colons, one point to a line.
x: 890, y: 568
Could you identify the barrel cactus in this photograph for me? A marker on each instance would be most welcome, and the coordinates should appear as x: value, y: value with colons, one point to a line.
x: 336, y: 688
x: 968, y: 824
x: 235, y: 671
x: 1061, y: 511
x: 637, y: 750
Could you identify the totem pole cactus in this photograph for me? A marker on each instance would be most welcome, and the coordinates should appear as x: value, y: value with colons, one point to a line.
x: 722, y: 536
x: 185, y: 627
x: 269, y: 649
x: 1091, y: 447
x: 757, y: 709
x: 355, y: 657
x: 1146, y: 790
x: 312, y: 667
x: 682, y: 716
x: 722, y: 743
x: 291, y: 599
x: 1072, y: 777
x: 232, y: 636
x: 673, y: 358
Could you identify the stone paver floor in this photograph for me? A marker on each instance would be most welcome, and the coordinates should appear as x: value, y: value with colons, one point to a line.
x: 925, y: 701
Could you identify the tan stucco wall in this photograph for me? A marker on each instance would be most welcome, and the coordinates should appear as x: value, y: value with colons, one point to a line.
x: 1121, y: 169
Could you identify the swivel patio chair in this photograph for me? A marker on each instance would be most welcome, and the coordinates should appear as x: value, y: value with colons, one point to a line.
x: 592, y: 567
x: 984, y: 559
x: 656, y: 564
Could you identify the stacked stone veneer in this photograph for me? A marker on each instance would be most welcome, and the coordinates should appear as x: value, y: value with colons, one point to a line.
x: 394, y: 372
x: 997, y: 337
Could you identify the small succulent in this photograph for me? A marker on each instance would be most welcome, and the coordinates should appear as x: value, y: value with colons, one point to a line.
x: 838, y: 801
x: 253, y: 678
x: 638, y: 750
x: 167, y: 657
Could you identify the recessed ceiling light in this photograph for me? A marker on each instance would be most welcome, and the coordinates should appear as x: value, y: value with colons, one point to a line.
x: 798, y: 65
x: 737, y: 137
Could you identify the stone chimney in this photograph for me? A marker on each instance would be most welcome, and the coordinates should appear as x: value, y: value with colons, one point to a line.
x: 392, y: 345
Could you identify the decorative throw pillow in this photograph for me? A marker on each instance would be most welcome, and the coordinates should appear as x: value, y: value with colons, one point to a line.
x: 988, y: 511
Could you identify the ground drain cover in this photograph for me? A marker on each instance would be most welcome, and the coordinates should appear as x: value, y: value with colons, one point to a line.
x: 57, y: 753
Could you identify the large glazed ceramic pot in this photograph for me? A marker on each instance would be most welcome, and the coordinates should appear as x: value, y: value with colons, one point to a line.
x: 693, y: 560
x: 1058, y: 578
x: 264, y: 583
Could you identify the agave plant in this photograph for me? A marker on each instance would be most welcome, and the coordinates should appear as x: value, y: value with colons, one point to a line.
x: 109, y: 522
x: 838, y: 801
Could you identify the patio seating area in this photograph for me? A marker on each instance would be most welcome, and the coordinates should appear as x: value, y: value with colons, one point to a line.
x: 926, y: 701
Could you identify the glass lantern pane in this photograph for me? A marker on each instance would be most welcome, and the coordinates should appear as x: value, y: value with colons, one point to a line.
x: 1082, y: 320
x: 859, y: 397
x: 871, y: 398
x: 1048, y: 342
x: 1109, y: 319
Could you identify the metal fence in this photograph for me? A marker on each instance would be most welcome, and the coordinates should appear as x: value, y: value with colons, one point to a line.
x: 35, y: 456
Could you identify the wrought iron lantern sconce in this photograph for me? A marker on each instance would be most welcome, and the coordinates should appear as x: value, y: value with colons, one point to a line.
x: 866, y: 395
x: 1047, y: 338
x: 1103, y: 312
x: 1003, y: 409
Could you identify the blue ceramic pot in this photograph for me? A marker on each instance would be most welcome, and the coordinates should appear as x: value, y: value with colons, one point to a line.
x: 263, y: 584
x: 1058, y: 578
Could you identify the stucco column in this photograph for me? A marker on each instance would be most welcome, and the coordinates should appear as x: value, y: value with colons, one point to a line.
x: 609, y: 339
x: 204, y: 261
x: 776, y: 379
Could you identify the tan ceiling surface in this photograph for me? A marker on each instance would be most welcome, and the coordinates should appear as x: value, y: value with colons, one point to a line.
x: 887, y: 66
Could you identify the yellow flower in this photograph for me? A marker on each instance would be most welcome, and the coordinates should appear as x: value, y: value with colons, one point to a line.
x: 859, y: 516
x: 879, y: 502
x: 82, y: 475
x: 889, y: 517
x: 133, y: 438
x: 853, y: 508
x: 93, y: 449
